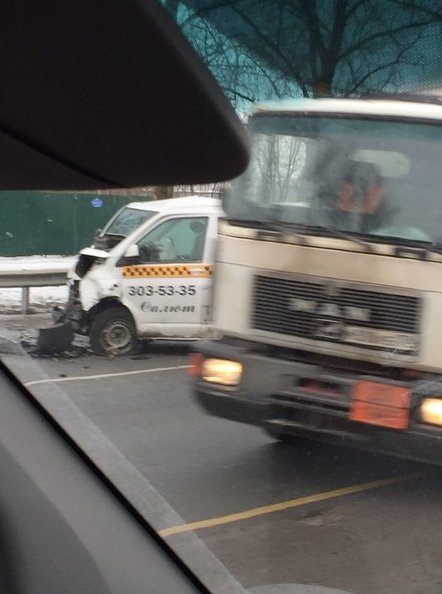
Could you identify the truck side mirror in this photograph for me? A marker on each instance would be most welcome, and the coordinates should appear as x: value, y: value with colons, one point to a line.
x: 132, y: 251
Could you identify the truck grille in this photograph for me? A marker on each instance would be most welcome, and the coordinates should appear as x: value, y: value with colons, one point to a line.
x: 336, y: 312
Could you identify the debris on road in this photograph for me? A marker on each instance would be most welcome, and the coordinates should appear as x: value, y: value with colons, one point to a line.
x: 55, y: 339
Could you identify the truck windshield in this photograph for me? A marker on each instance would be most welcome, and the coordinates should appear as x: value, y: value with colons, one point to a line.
x: 374, y: 178
x: 126, y: 221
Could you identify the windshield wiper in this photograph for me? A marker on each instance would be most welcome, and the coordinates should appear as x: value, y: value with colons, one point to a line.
x: 301, y: 231
x: 330, y: 232
x: 114, y: 235
x: 403, y: 246
x: 277, y: 227
x: 435, y: 247
x: 289, y: 229
x: 430, y: 248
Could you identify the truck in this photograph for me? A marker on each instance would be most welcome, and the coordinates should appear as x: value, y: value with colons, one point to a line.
x: 148, y: 275
x: 328, y: 287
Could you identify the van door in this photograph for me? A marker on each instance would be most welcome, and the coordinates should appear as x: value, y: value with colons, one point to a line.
x: 170, y: 282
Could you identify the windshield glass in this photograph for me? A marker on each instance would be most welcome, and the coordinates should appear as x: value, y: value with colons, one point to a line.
x: 127, y: 220
x: 305, y: 332
x: 377, y: 178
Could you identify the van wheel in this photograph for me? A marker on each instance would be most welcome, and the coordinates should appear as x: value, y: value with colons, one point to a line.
x: 112, y: 332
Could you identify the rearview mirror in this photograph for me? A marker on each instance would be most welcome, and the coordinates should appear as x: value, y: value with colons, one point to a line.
x: 111, y: 75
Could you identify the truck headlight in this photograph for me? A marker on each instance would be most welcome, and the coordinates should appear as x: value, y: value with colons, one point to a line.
x: 221, y: 371
x: 431, y: 411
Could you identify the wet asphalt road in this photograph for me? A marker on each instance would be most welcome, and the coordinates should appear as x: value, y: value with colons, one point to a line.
x: 271, y: 513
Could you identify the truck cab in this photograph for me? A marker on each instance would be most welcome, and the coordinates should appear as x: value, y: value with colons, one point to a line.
x: 154, y: 283
x: 328, y: 298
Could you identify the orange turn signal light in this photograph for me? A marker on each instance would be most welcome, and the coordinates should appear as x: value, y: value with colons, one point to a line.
x: 196, y: 361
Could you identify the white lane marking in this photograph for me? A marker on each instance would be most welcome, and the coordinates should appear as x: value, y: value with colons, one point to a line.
x: 104, y: 375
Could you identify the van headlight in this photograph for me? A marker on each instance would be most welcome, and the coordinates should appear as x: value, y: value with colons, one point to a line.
x: 431, y: 411
x: 221, y: 371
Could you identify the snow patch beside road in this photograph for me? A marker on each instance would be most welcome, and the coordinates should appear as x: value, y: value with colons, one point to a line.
x: 42, y: 299
x: 32, y: 263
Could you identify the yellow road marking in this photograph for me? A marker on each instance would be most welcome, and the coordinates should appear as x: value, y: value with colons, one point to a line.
x: 284, y: 505
x: 104, y: 375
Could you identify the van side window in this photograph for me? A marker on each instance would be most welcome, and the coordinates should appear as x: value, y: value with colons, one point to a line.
x: 175, y: 240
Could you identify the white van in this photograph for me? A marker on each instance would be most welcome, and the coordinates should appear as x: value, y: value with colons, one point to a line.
x: 155, y: 283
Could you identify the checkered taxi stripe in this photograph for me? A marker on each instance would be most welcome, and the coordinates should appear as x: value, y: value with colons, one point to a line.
x: 169, y: 271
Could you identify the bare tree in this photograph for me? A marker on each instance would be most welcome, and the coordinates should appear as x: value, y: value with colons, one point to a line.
x: 313, y: 47
x: 244, y: 77
x: 262, y: 49
x: 278, y: 160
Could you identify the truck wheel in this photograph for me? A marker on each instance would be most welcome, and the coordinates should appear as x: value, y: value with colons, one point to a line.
x: 113, y: 332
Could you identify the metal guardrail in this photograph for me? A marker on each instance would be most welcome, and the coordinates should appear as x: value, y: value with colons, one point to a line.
x: 28, y: 277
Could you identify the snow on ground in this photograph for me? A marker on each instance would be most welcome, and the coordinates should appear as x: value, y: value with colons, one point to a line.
x: 49, y: 263
x: 41, y: 299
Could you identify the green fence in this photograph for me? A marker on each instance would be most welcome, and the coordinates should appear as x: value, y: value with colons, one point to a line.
x: 53, y: 223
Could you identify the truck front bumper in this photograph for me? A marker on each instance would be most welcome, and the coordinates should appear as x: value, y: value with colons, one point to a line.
x: 287, y: 398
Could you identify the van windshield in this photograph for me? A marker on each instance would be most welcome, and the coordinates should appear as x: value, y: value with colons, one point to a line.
x: 126, y: 221
x: 376, y: 178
